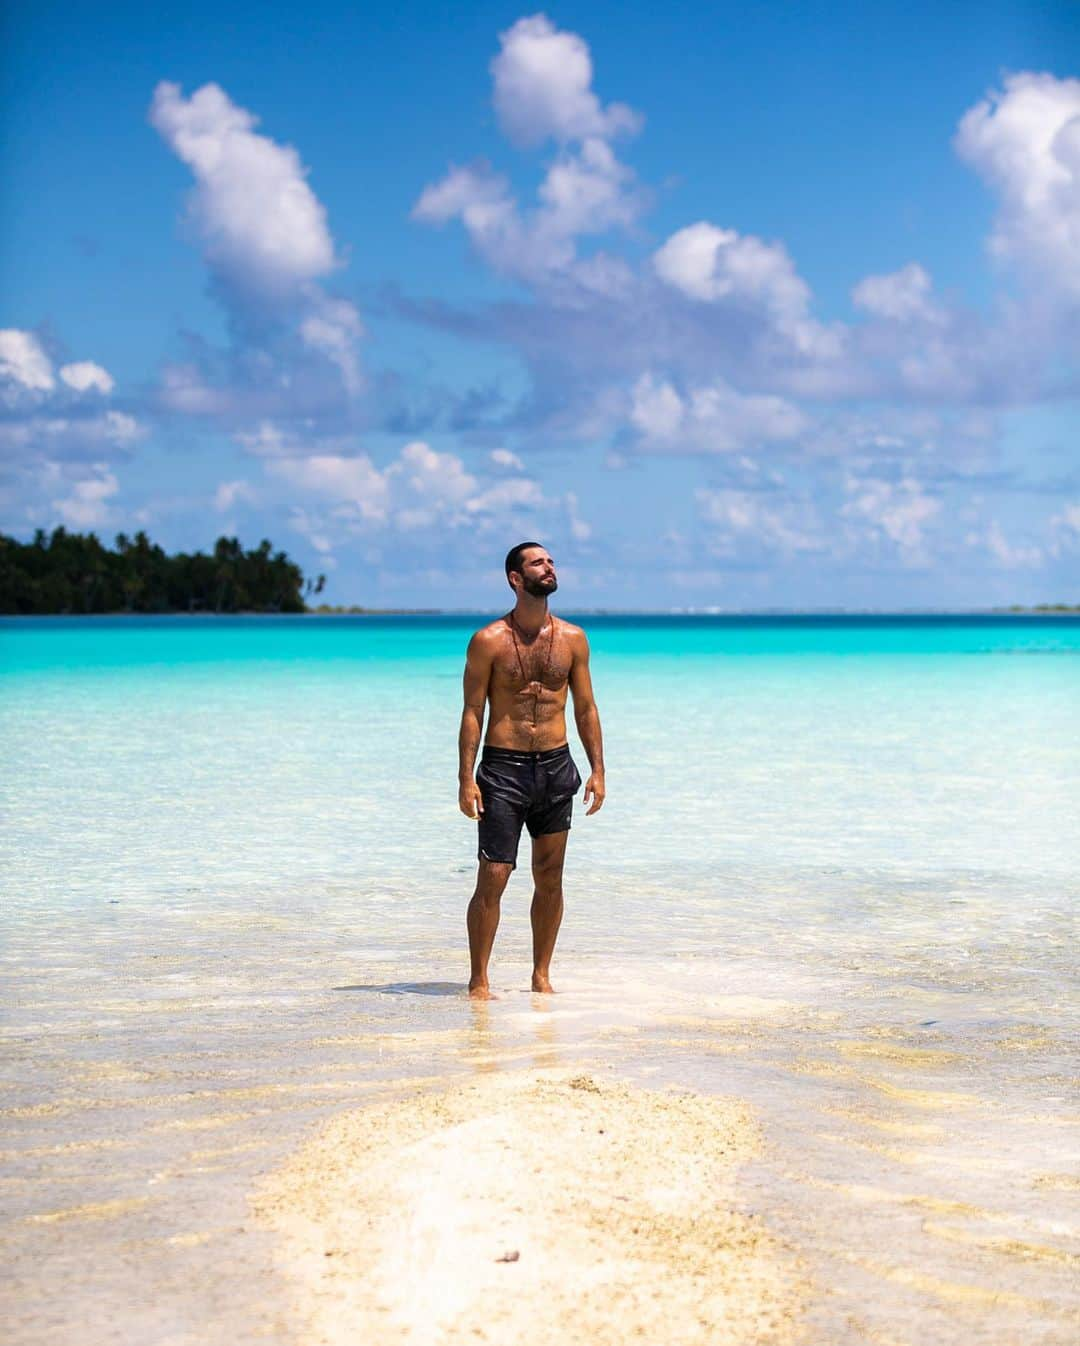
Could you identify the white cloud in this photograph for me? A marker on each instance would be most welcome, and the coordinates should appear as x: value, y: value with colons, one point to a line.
x: 542, y: 81
x: 229, y: 492
x: 121, y: 428
x: 505, y: 496
x: 585, y: 191
x: 300, y: 521
x: 333, y: 328
x: 23, y: 361
x: 87, y: 505
x: 262, y: 226
x: 51, y: 421
x: 420, y: 488
x: 900, y: 511
x: 1065, y: 529
x: 744, y: 522
x: 84, y: 375
x: 504, y: 458
x: 902, y: 295
x: 708, y: 263
x: 1008, y: 555
x: 69, y: 436
x: 184, y: 390
x: 722, y: 266
x: 437, y: 477
x: 543, y: 87
x: 580, y: 531
x: 712, y: 418
x: 479, y: 196
x: 355, y: 482
x: 1025, y: 141
x: 657, y: 410
x: 265, y: 239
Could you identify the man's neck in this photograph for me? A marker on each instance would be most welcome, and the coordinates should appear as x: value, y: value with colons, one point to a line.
x: 530, y: 614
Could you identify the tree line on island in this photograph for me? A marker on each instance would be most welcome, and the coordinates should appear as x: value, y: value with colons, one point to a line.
x: 72, y: 574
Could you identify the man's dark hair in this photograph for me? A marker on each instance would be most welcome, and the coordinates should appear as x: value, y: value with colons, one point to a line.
x: 514, y: 555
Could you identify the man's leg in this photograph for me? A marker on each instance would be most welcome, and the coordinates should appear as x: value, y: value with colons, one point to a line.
x: 483, y: 921
x: 548, y: 854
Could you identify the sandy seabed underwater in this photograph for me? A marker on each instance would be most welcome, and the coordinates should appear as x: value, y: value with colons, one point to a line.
x: 832, y: 894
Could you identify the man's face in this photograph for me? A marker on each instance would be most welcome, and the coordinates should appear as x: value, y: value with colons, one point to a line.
x: 538, y: 573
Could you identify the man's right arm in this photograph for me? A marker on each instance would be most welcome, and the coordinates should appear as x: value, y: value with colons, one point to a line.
x: 476, y: 681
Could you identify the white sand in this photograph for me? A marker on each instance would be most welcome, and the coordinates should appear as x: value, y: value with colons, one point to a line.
x: 531, y: 1206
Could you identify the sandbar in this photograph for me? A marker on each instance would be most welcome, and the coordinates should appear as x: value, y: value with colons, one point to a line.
x: 530, y: 1205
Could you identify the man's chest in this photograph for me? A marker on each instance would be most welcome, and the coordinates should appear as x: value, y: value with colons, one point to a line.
x: 541, y: 662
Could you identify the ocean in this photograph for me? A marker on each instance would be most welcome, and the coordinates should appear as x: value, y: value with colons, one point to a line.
x: 836, y: 874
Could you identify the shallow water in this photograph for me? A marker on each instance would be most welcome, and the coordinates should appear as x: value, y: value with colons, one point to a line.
x: 837, y: 874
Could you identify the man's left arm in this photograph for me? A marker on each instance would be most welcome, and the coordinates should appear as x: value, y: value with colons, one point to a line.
x: 587, y: 719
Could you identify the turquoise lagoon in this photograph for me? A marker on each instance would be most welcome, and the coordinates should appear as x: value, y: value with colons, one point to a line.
x: 837, y: 874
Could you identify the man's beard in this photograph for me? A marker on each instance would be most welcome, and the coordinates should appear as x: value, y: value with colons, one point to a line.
x: 540, y: 588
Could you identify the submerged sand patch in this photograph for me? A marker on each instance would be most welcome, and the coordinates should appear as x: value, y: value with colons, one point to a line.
x: 530, y: 1206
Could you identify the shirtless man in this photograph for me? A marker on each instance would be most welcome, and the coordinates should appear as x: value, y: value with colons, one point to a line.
x: 523, y: 664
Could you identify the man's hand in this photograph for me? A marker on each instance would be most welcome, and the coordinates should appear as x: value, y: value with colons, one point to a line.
x: 470, y: 801
x: 594, y: 786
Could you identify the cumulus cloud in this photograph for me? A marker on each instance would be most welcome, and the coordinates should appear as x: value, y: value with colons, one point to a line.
x: 1024, y: 139
x: 49, y: 419
x: 585, y: 191
x: 86, y: 506
x: 23, y: 362
x: 897, y: 511
x: 343, y: 496
x: 505, y: 496
x: 543, y: 87
x: 70, y: 436
x: 708, y: 263
x: 84, y: 375
x: 354, y: 482
x: 714, y: 342
x: 749, y: 526
x: 267, y: 244
x: 334, y: 327
x: 902, y: 296
x: 262, y: 227
x: 716, y: 266
x: 1008, y: 555
x: 712, y: 418
x: 28, y: 377
x: 229, y: 492
x: 504, y: 458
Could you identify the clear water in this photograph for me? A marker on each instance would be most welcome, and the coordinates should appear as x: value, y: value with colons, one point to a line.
x: 837, y: 873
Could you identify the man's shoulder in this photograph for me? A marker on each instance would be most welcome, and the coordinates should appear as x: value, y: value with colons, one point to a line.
x: 575, y: 637
x: 489, y: 635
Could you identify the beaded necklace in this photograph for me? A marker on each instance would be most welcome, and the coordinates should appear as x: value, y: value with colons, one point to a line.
x: 521, y: 664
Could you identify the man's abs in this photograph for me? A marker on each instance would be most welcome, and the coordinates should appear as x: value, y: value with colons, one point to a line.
x: 515, y: 727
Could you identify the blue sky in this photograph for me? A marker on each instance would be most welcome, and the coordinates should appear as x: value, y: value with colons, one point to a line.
x: 731, y: 306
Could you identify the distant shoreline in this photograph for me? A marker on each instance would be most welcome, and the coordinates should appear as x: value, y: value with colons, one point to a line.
x: 763, y: 614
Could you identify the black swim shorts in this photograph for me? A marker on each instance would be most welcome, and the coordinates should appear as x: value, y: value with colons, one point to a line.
x: 534, y: 788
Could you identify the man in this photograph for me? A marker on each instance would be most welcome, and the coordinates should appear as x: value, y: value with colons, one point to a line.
x: 523, y: 664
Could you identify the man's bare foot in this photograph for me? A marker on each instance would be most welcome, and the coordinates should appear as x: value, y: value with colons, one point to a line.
x: 480, y: 991
x: 540, y: 983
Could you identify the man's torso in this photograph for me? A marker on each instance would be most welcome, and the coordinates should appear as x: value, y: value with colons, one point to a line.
x: 529, y: 685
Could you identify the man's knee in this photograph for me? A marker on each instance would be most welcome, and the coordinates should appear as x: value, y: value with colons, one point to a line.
x: 492, y: 878
x: 547, y: 871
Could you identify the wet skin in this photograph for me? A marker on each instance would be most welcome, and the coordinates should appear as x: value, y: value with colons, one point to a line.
x: 519, y: 670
